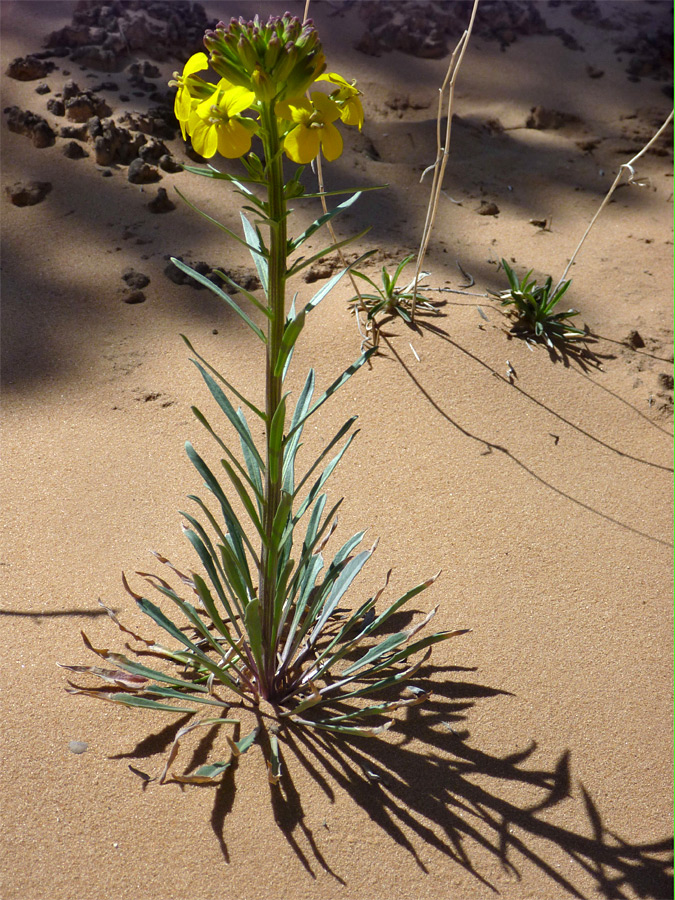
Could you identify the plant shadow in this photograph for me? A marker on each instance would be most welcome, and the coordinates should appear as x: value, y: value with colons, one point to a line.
x: 432, y: 785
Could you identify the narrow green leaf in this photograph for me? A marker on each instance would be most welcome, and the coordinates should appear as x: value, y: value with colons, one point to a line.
x: 264, y: 309
x: 202, y: 279
x: 323, y: 478
x: 344, y: 729
x: 386, y: 646
x: 322, y: 220
x: 338, y: 436
x: 336, y: 385
x: 237, y: 533
x: 330, y: 284
x: 254, y: 630
x: 302, y: 262
x: 292, y: 444
x: 224, y: 381
x: 258, y: 252
x: 245, y: 498
x: 274, y: 765
x: 198, y: 698
x: 288, y: 339
x: 276, y: 440
x: 215, y: 222
x: 344, y: 580
x: 142, y: 702
x: 135, y: 668
x: 362, y: 190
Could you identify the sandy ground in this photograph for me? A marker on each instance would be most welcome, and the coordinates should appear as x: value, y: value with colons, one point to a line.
x: 541, y: 767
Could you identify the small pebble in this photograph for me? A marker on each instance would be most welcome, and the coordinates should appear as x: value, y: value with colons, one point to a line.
x: 77, y: 746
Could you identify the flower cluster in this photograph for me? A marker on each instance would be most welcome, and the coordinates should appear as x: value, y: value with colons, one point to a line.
x: 259, y: 64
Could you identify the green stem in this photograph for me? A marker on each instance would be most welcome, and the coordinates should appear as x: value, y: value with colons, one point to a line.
x: 273, y: 387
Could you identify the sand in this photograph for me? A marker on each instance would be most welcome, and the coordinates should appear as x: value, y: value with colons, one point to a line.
x: 541, y: 767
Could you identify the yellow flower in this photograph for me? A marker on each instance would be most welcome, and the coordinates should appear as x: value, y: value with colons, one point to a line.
x: 215, y: 123
x: 346, y: 96
x: 185, y: 101
x: 314, y: 130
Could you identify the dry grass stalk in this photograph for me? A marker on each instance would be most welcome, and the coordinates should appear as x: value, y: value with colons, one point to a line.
x: 442, y: 149
x: 631, y: 180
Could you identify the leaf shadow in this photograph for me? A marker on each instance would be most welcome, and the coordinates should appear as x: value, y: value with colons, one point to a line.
x: 433, y: 786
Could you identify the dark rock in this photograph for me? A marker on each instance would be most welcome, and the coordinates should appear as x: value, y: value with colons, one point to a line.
x: 29, y: 68
x: 135, y: 280
x: 144, y: 69
x: 102, y: 59
x: 73, y: 150
x: 161, y: 203
x: 76, y: 132
x: 665, y: 381
x: 134, y: 297
x: 319, y: 271
x: 28, y: 193
x: 142, y: 173
x: 56, y: 107
x: 70, y: 37
x: 487, y: 208
x: 105, y: 86
x: 86, y: 105
x: 43, y: 135
x: 107, y: 173
x: 71, y: 89
x: 43, y: 88
x: 634, y: 340
x: 173, y: 273
x: 159, y: 122
x: 32, y: 125
x: 113, y: 144
x: 168, y: 164
x: 153, y: 151
x: 543, y: 119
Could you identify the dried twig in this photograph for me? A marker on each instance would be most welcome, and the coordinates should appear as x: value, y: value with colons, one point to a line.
x: 442, y: 149
x: 631, y: 178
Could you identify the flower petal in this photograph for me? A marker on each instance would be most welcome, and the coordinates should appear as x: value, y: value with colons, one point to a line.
x: 234, y: 139
x: 329, y: 110
x: 351, y: 112
x: 297, y: 109
x: 331, y: 142
x: 196, y: 63
x: 204, y: 136
x: 234, y: 100
x: 302, y: 144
